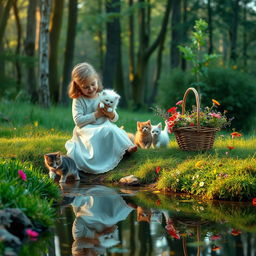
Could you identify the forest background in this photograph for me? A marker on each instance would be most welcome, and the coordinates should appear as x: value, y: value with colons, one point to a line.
x: 134, y: 46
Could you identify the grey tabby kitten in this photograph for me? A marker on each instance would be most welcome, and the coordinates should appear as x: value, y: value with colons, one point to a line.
x: 61, y: 165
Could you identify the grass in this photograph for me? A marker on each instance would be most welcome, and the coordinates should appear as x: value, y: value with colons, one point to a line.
x: 34, y: 196
x: 225, y: 176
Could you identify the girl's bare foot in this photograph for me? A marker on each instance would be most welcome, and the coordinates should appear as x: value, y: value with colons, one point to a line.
x: 132, y: 149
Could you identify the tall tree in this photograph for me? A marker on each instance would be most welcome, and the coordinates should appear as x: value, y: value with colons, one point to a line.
x: 29, y: 47
x: 113, y: 32
x: 176, y: 33
x: 145, y: 51
x: 113, y: 72
x: 44, y: 93
x: 131, y: 43
x: 245, y: 40
x: 55, y: 27
x: 233, y: 29
x: 209, y: 12
x: 69, y: 49
x: 3, y: 22
x: 17, y: 52
x: 184, y: 30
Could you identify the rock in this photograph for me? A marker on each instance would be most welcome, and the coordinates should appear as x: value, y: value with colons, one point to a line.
x: 9, y: 238
x: 129, y: 180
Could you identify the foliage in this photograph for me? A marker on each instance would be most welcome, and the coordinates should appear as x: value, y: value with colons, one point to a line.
x: 34, y: 194
x: 238, y: 96
x: 193, y: 52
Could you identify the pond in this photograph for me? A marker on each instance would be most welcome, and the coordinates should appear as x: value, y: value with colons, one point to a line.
x: 100, y: 220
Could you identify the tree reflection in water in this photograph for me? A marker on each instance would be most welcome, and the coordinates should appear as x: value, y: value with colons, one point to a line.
x: 105, y: 221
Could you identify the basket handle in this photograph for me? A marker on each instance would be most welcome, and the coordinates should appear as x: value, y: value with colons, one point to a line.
x: 197, y: 103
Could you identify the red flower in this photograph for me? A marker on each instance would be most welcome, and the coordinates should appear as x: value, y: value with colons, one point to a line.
x: 254, y: 201
x: 235, y: 232
x: 235, y: 134
x: 215, y: 248
x: 191, y: 124
x: 215, y: 237
x: 22, y: 175
x: 172, y: 118
x: 158, y: 202
x: 230, y: 147
x: 158, y: 169
x: 171, y: 230
x: 172, y: 110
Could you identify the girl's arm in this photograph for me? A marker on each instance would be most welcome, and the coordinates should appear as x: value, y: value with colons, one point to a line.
x: 80, y: 115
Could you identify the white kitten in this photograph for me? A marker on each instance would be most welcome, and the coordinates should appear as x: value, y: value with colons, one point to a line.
x: 109, y: 98
x: 159, y: 138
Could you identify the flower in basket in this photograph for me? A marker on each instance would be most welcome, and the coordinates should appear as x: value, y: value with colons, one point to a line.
x: 209, y: 117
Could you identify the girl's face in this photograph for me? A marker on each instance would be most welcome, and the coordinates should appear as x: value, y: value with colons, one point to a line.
x: 90, y: 88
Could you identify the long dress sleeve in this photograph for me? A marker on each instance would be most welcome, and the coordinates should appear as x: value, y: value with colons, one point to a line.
x: 80, y: 115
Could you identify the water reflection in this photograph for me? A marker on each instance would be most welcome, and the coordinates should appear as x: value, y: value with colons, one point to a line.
x: 96, y: 215
x: 99, y: 220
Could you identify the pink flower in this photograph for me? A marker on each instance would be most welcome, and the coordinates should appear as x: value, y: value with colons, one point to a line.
x: 179, y: 102
x: 22, y: 175
x: 31, y: 233
x: 215, y: 115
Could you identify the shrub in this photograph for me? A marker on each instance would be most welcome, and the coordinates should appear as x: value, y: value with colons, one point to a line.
x: 236, y: 91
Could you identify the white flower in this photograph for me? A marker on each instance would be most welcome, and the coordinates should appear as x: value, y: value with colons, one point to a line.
x: 193, y: 177
x: 177, y: 180
x: 201, y: 184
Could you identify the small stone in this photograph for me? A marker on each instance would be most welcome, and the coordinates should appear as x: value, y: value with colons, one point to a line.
x: 129, y: 180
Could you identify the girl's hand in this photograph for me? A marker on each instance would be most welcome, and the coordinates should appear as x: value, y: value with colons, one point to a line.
x: 98, y: 113
x: 109, y: 115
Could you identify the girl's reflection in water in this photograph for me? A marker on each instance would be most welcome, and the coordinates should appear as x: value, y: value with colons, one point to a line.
x: 97, y: 213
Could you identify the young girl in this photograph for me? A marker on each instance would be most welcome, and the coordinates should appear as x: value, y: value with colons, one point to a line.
x: 97, y: 145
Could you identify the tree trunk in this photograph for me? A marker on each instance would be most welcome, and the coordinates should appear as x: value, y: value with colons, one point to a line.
x: 100, y: 36
x: 157, y: 71
x: 55, y: 27
x: 233, y: 29
x: 176, y: 33
x: 69, y: 49
x: 245, y: 43
x: 30, y: 49
x: 131, y: 45
x: 44, y: 94
x: 3, y: 23
x: 113, y: 72
x: 184, y: 32
x: 17, y: 52
x: 209, y: 11
x: 4, y: 18
x: 145, y: 52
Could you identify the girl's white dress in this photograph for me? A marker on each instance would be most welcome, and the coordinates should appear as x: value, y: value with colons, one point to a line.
x: 97, y: 145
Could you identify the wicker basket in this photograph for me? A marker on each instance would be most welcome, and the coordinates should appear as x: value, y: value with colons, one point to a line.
x: 194, y: 138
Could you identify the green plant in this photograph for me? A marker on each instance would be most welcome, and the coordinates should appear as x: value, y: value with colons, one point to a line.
x: 194, y: 53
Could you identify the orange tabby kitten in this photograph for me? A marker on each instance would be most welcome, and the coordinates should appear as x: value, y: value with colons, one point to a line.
x: 143, y: 137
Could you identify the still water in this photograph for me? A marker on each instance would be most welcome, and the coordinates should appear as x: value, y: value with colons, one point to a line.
x: 100, y: 220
